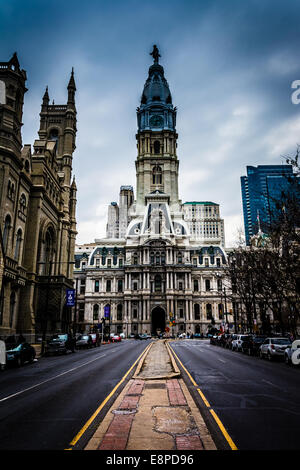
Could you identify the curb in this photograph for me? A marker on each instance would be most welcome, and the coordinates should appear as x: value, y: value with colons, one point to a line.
x: 141, y: 362
x: 176, y: 372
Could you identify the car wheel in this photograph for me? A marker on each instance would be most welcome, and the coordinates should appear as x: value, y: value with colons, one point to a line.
x: 261, y: 355
x: 287, y: 360
x: 269, y: 357
x: 19, y: 362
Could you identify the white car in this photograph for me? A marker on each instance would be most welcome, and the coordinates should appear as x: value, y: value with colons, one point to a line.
x: 274, y: 347
x: 236, y: 344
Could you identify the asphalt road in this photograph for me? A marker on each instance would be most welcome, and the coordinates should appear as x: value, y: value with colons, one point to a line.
x: 257, y: 401
x: 45, y: 404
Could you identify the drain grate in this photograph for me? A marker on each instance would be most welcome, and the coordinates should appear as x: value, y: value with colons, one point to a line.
x: 152, y: 385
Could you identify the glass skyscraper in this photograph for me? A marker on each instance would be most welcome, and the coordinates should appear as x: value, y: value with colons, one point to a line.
x: 261, y: 189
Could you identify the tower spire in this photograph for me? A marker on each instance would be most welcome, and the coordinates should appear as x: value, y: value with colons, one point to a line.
x: 71, y: 89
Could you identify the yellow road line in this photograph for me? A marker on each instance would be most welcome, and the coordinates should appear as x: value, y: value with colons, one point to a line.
x: 88, y: 423
x: 213, y: 413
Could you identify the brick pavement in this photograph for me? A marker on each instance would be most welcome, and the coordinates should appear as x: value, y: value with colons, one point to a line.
x: 155, y: 411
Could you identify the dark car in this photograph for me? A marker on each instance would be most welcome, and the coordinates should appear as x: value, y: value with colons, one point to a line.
x: 141, y: 336
x: 223, y: 339
x: 20, y: 354
x: 231, y: 338
x: 60, y: 344
x: 84, y: 341
x: 252, y: 344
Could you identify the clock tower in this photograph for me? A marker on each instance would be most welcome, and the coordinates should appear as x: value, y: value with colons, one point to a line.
x: 157, y: 162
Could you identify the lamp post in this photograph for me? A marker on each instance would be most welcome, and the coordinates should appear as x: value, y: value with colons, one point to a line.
x: 226, y: 313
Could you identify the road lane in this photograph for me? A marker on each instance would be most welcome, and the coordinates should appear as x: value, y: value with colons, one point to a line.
x: 52, y: 399
x: 257, y: 401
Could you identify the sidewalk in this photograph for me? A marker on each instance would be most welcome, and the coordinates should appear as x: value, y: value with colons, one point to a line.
x: 155, y: 411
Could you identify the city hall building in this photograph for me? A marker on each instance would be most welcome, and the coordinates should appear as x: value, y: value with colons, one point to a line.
x: 161, y: 266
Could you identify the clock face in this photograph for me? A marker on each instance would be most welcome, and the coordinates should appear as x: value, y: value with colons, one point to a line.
x: 156, y: 121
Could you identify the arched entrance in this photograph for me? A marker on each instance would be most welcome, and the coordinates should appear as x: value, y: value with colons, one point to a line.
x: 158, y: 320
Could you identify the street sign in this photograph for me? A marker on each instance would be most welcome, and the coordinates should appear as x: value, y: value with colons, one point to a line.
x: 70, y: 297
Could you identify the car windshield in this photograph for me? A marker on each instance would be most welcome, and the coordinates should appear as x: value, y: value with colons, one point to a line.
x: 83, y: 337
x: 59, y: 338
x: 258, y: 340
x: 280, y: 341
x: 17, y: 348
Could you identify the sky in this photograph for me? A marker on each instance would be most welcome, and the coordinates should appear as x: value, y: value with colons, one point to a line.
x: 230, y: 65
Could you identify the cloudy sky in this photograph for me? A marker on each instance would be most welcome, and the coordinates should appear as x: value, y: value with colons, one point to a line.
x: 230, y: 65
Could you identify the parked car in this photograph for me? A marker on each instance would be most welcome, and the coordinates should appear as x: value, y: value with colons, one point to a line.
x: 20, y: 354
x: 122, y: 335
x: 230, y: 339
x: 96, y: 339
x: 289, y: 351
x: 237, y: 343
x: 141, y: 336
x: 60, y: 344
x: 274, y: 348
x: 116, y: 339
x: 223, y: 339
x: 214, y: 339
x: 84, y: 342
x: 251, y: 345
x: 132, y: 335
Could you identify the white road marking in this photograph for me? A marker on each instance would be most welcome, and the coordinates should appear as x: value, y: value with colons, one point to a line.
x: 49, y: 380
x: 221, y: 360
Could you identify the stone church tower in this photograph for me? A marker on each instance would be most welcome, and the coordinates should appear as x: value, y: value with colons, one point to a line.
x: 37, y: 210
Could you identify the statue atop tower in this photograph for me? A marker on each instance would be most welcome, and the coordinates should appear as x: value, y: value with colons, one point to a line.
x: 155, y: 54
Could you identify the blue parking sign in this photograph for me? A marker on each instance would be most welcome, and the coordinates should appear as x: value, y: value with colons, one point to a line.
x: 70, y: 294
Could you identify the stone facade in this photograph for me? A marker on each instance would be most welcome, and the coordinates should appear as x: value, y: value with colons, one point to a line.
x: 37, y: 210
x: 158, y: 274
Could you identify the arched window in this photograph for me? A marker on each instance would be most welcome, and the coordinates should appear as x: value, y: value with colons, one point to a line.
x: 48, y: 252
x: 53, y: 135
x: 208, y: 312
x: 157, y: 175
x: 23, y: 203
x: 6, y: 232
x: 119, y: 312
x: 197, y: 311
x: 96, y: 312
x: 18, y: 245
x: 157, y: 147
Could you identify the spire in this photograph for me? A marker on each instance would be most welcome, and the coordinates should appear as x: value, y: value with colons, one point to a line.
x: 71, y: 84
x: 73, y: 186
x: 46, y: 97
x: 71, y: 89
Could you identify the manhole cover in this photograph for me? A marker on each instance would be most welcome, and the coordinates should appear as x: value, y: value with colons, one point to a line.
x: 152, y: 385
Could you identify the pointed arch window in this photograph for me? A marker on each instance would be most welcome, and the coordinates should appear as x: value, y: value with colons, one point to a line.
x: 6, y: 232
x: 18, y: 245
x: 157, y: 175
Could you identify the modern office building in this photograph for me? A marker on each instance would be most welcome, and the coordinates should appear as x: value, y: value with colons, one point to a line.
x: 261, y: 191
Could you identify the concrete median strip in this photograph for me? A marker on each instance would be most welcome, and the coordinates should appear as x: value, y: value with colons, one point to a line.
x: 154, y: 411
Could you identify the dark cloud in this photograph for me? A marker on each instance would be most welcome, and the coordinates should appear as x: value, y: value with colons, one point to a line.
x: 230, y: 65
